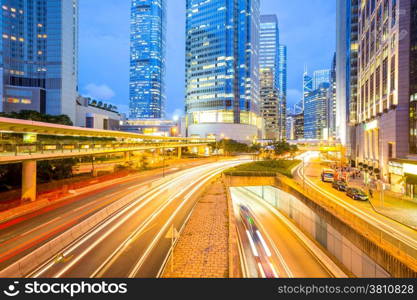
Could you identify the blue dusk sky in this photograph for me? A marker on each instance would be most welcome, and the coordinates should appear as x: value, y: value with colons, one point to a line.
x: 307, y: 27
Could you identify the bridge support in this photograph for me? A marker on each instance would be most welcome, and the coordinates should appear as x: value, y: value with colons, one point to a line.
x: 179, y: 152
x: 29, y: 180
x: 127, y: 156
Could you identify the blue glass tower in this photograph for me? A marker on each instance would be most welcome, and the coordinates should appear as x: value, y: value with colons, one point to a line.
x: 147, y: 59
x: 39, y: 56
x: 315, y: 113
x: 273, y: 59
x: 222, y: 68
x: 269, y: 55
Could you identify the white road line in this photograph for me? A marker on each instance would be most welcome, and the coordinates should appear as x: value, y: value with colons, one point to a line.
x: 363, y: 215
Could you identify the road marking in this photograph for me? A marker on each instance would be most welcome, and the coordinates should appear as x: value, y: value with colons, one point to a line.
x: 363, y: 215
x: 126, y: 209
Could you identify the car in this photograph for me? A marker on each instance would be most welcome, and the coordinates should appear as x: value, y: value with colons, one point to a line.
x: 357, y: 194
x: 340, y: 185
x: 328, y: 175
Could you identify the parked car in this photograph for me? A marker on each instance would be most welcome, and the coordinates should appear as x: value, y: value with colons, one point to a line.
x: 357, y: 194
x: 340, y: 185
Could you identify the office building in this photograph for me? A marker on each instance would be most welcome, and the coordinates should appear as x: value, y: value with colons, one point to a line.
x: 270, y: 107
x: 347, y: 72
x: 91, y: 113
x: 319, y: 77
x: 39, y: 56
x: 307, y: 86
x: 222, y: 69
x: 147, y: 59
x: 383, y: 133
x: 273, y: 57
x: 315, y: 114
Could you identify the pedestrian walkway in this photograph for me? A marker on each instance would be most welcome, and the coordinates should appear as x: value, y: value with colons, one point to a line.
x: 202, y: 249
x: 393, y: 205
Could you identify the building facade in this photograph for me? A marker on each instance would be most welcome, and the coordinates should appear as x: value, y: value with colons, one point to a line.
x: 315, y: 114
x: 222, y: 69
x: 319, y: 77
x: 307, y: 86
x: 39, y: 56
x: 147, y: 59
x: 299, y: 126
x: 270, y: 106
x: 282, y: 87
x: 273, y: 57
x: 331, y: 102
x: 383, y: 123
x: 347, y: 72
x: 96, y: 114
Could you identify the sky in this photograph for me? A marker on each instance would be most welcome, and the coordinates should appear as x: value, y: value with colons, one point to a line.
x: 307, y: 27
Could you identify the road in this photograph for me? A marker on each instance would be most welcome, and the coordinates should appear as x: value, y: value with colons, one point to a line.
x: 22, y: 235
x: 132, y: 242
x: 308, y: 175
x: 272, y: 247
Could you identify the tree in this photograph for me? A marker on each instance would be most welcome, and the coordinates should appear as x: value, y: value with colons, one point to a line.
x: 38, y: 117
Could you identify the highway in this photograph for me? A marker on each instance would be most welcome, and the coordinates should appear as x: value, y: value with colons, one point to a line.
x: 308, y: 175
x: 272, y: 247
x: 132, y: 242
x: 22, y: 235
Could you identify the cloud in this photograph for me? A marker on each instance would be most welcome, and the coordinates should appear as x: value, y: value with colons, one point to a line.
x: 99, y: 92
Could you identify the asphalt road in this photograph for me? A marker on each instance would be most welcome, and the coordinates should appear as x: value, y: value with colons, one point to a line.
x: 289, y: 254
x: 20, y: 236
x: 309, y: 176
x: 134, y: 242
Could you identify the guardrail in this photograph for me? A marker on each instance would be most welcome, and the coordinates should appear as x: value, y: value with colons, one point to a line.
x: 388, y: 241
x: 40, y: 148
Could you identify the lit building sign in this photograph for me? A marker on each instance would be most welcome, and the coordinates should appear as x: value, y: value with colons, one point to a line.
x: 410, y: 169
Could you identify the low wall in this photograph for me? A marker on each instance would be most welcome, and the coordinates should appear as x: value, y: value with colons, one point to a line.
x: 396, y: 257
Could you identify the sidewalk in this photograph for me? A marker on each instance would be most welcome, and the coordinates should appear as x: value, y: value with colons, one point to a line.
x: 202, y: 249
x: 390, y: 204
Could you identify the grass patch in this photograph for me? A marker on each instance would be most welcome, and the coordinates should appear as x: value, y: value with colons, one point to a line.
x: 266, y: 168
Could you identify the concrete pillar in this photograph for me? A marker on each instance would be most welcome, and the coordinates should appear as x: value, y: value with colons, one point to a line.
x: 127, y: 156
x: 179, y: 152
x: 29, y: 180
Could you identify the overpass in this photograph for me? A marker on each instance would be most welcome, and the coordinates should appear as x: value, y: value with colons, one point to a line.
x: 27, y: 142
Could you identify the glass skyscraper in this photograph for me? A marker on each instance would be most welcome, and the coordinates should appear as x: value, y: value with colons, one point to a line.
x: 307, y: 86
x: 269, y: 45
x: 39, y: 56
x: 315, y: 113
x: 273, y: 57
x: 319, y: 77
x: 222, y: 69
x: 147, y: 59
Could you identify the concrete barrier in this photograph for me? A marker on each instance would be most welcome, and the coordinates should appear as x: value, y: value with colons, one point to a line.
x: 24, y: 266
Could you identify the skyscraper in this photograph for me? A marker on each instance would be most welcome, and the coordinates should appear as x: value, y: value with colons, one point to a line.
x: 222, y: 68
x: 319, y: 77
x: 383, y: 133
x: 331, y: 101
x: 347, y: 71
x: 273, y: 57
x: 282, y: 87
x: 39, y: 56
x: 147, y: 59
x: 307, y: 86
x: 269, y: 45
x: 315, y: 113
